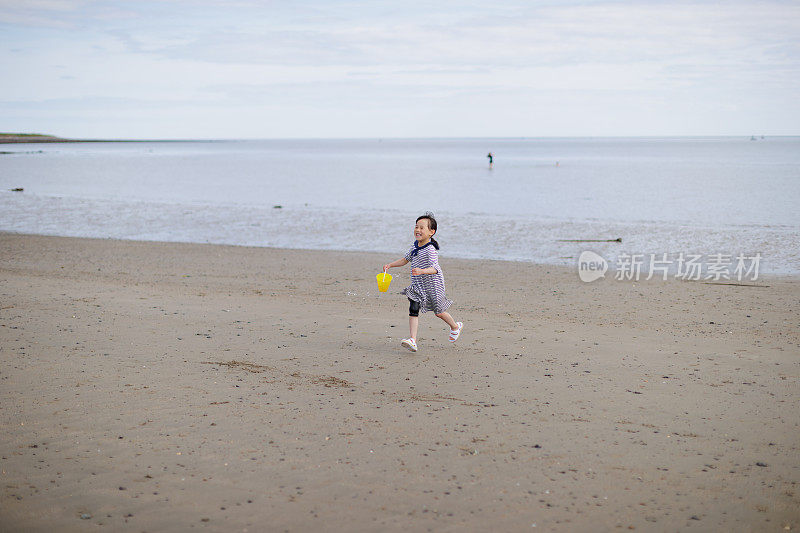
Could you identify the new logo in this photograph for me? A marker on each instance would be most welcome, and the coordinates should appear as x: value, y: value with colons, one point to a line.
x: 591, y: 266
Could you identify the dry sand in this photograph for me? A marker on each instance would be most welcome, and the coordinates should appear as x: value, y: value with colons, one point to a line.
x: 169, y: 387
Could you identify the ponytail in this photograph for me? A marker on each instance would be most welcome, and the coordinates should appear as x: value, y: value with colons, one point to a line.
x: 435, y: 244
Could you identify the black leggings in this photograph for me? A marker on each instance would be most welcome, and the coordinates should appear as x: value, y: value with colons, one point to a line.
x: 413, y: 308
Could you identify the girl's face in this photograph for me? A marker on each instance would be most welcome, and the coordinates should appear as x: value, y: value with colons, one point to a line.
x: 422, y: 231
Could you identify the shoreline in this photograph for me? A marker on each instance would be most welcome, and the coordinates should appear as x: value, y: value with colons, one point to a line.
x: 34, y: 138
x: 572, y: 269
x: 163, y: 386
x: 76, y: 141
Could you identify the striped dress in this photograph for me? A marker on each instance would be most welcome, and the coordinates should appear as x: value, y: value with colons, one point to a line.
x: 427, y: 289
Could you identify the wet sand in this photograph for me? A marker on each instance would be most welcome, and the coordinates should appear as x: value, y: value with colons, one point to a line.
x: 169, y: 387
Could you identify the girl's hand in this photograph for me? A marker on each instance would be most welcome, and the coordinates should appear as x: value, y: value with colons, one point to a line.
x: 386, y: 267
x: 416, y: 271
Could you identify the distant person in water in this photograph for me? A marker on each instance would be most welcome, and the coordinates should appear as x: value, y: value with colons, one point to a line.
x: 491, y: 159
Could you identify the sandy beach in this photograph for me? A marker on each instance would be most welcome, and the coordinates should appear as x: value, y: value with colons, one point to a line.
x: 174, y: 387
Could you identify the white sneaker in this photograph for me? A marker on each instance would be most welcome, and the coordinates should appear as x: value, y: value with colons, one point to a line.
x: 410, y: 344
x: 454, y: 333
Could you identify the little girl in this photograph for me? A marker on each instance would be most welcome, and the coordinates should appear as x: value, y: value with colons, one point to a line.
x: 426, y: 292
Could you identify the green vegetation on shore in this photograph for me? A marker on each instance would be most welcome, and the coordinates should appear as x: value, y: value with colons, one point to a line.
x: 8, y: 138
x: 30, y: 138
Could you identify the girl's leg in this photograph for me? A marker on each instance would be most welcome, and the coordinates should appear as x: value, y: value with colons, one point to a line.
x: 413, y: 325
x: 413, y: 318
x: 447, y: 318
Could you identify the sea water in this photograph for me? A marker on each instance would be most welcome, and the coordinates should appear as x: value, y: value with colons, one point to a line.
x: 543, y: 200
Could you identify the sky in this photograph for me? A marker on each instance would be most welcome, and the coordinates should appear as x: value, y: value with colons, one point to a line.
x: 244, y: 69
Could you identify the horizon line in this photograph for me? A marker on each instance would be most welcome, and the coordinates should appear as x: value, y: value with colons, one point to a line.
x: 49, y: 138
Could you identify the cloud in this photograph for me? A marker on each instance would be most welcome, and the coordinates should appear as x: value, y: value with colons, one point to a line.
x: 518, y: 57
x: 524, y: 34
x: 63, y: 14
x: 441, y: 36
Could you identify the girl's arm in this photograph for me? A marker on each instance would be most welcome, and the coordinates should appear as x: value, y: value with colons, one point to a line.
x: 418, y: 271
x: 400, y: 262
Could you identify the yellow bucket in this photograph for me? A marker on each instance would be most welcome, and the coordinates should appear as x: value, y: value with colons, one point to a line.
x: 384, y: 280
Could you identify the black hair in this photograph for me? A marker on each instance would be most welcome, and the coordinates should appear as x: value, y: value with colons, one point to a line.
x: 431, y: 224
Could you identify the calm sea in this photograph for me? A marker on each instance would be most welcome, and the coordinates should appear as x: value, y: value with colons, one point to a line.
x: 692, y: 195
